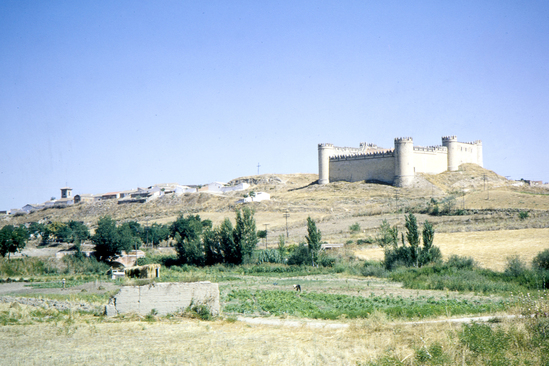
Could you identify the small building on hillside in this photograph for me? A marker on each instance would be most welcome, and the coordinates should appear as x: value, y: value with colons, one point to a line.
x: 86, y: 198
x: 63, y: 202
x: 255, y: 197
x: 66, y: 192
x: 28, y: 208
x: 214, y: 187
x: 235, y: 188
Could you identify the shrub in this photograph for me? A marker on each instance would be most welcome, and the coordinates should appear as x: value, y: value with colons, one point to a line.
x: 541, y: 260
x: 269, y: 256
x: 515, y: 267
x: 373, y: 269
x: 354, y: 228
x: 325, y: 260
x: 299, y: 255
x: 523, y: 215
x: 459, y: 262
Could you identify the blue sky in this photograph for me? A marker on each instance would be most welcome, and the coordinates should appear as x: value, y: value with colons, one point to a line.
x: 111, y: 95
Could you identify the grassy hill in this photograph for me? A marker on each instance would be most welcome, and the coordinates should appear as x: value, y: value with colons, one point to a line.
x: 488, y: 202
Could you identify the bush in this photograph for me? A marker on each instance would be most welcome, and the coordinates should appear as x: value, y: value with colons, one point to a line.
x: 326, y: 261
x: 269, y: 256
x: 373, y: 269
x: 459, y: 262
x: 515, y: 267
x: 523, y: 215
x: 299, y: 255
x: 541, y: 260
x: 368, y: 240
x: 354, y: 228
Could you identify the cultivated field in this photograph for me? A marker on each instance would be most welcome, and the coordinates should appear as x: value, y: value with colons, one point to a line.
x: 489, y: 248
x: 347, y: 314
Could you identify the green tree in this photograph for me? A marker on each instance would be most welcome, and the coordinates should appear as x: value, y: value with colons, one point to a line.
x: 212, y: 246
x: 128, y: 237
x: 412, y: 254
x: 37, y: 229
x: 12, y: 239
x: 80, y: 231
x: 187, y: 232
x: 387, y: 235
x: 245, y: 234
x: 282, y: 246
x: 155, y: 234
x: 106, y: 239
x: 189, y: 227
x: 314, y: 236
x: 412, y: 236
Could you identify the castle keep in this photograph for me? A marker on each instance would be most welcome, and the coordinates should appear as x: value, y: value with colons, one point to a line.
x: 395, y: 166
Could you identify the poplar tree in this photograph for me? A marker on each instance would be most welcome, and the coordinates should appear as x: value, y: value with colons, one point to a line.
x: 314, y: 236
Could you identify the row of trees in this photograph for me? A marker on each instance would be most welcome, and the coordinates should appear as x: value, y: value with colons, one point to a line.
x: 61, y: 232
x: 111, y: 239
x: 199, y: 243
x: 409, y: 252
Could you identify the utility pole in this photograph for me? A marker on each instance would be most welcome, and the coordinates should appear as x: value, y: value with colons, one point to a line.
x: 266, y: 235
x: 286, y: 215
x: 258, y: 168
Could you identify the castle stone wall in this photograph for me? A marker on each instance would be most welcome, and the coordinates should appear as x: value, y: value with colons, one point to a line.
x: 394, y: 166
x: 369, y: 167
x: 468, y: 152
x: 430, y: 160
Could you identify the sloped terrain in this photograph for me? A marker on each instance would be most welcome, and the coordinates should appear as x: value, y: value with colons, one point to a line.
x: 491, y: 202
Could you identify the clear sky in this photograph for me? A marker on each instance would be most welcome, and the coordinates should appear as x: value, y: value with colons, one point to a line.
x: 111, y: 95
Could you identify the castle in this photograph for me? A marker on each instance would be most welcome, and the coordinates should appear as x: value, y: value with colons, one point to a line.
x: 394, y: 166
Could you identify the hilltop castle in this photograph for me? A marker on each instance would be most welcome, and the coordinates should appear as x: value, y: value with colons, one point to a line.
x: 394, y: 166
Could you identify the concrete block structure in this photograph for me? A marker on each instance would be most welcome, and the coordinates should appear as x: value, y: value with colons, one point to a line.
x: 165, y: 298
x: 396, y: 166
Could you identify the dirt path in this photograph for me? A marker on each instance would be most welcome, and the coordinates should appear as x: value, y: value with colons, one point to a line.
x: 330, y: 325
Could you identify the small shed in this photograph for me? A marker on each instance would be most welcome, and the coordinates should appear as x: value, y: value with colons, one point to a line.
x: 146, y: 271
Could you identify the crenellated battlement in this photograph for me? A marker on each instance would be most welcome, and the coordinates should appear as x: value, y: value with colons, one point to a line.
x: 396, y: 166
x: 436, y: 148
x: 365, y: 145
x: 404, y: 139
x: 366, y: 155
x: 476, y: 142
x: 449, y: 138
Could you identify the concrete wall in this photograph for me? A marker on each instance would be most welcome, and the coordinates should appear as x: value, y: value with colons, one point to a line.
x: 168, y: 297
x: 369, y: 167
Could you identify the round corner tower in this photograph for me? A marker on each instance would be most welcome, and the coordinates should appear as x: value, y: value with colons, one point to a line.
x: 451, y: 144
x: 324, y: 153
x: 404, y: 161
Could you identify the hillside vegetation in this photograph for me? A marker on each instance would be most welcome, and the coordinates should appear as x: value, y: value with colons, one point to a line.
x: 488, y: 201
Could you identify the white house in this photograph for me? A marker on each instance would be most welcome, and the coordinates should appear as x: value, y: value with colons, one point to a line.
x: 238, y: 187
x: 214, y: 187
x: 258, y: 197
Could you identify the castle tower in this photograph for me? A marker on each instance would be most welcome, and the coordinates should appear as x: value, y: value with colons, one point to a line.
x: 66, y: 192
x: 451, y: 144
x: 324, y: 152
x: 479, y: 152
x: 404, y: 161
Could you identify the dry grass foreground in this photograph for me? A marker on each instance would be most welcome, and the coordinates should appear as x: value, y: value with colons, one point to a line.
x: 489, y: 248
x: 83, y: 339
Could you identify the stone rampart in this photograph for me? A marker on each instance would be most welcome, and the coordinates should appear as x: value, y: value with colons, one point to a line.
x: 394, y: 166
x: 164, y: 298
